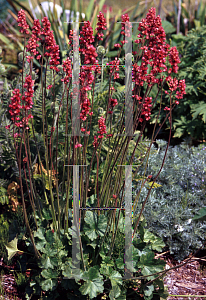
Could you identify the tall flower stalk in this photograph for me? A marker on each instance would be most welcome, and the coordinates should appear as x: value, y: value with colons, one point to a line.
x: 102, y: 144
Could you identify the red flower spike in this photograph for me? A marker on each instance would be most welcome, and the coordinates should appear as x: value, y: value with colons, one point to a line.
x: 125, y: 31
x: 67, y: 69
x: 174, y: 60
x: 15, y: 106
x: 102, y: 128
x: 22, y: 22
x: 95, y: 143
x: 32, y: 43
x: 50, y: 45
x: 101, y: 25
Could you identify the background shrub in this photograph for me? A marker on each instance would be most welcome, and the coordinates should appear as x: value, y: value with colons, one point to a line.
x: 172, y: 205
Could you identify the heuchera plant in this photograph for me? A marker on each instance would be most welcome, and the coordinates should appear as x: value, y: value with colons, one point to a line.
x: 41, y: 118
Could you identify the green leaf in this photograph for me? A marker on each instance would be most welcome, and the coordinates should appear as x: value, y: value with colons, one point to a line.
x: 148, y: 290
x: 50, y: 237
x: 39, y: 233
x: 114, y: 276
x: 168, y: 27
x: 12, y: 248
x: 48, y: 284
x: 94, y: 283
x: 89, y: 9
x: 115, y: 292
x: 149, y: 265
x: 70, y: 272
x: 49, y: 273
x: 201, y: 215
x: 158, y: 244
x: 46, y: 263
x: 120, y: 263
x: 95, y: 225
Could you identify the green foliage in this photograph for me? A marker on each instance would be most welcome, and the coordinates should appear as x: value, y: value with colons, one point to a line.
x: 190, y: 115
x: 55, y: 273
x: 172, y: 206
x: 4, y: 236
x: 21, y: 280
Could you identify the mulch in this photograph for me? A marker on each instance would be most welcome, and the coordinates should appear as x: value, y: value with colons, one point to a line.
x: 189, y: 279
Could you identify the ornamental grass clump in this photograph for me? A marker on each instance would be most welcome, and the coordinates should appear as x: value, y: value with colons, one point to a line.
x: 75, y: 141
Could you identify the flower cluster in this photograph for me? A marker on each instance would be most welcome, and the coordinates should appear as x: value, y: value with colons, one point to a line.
x: 114, y: 67
x: 146, y: 108
x: 50, y: 45
x: 68, y: 70
x: 181, y: 92
x: 15, y: 107
x: 174, y: 84
x: 86, y: 44
x: 101, y: 25
x: 22, y: 22
x: 174, y: 60
x: 86, y: 79
x: 27, y: 97
x: 125, y: 27
x: 32, y: 43
x: 102, y: 128
x: 95, y: 143
x: 154, y: 48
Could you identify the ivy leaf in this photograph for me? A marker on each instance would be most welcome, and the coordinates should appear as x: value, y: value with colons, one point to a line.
x: 71, y: 273
x: 158, y: 244
x: 94, y: 283
x: 120, y: 263
x: 49, y: 274
x: 114, y: 276
x: 95, y: 225
x: 46, y: 263
x: 12, y: 248
x: 48, y: 284
x: 115, y: 292
x: 148, y: 290
x: 149, y: 265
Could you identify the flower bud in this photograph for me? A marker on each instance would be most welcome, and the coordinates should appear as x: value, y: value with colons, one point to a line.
x: 20, y: 59
x: 101, y: 50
